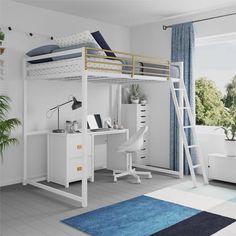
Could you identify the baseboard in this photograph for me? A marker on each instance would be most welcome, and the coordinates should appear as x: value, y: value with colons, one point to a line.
x: 18, y: 181
x: 10, y: 182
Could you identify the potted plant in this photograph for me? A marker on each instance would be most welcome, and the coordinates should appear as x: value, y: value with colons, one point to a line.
x: 229, y: 127
x: 2, y: 37
x: 135, y: 94
x: 6, y: 125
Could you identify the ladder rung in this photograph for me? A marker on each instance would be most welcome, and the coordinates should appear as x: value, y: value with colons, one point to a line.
x: 188, y: 126
x: 179, y: 89
x: 192, y: 146
x: 196, y: 166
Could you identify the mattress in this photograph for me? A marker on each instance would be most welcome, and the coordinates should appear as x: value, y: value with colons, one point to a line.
x: 70, y: 66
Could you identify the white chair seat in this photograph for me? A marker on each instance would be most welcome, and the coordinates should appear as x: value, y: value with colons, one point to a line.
x: 134, y: 144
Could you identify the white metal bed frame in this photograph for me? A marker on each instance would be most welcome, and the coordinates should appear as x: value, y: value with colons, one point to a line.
x: 86, y: 75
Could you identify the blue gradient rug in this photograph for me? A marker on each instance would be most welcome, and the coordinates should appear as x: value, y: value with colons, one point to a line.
x: 152, y: 215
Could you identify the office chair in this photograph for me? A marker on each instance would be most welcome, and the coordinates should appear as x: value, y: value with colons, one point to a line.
x: 134, y: 144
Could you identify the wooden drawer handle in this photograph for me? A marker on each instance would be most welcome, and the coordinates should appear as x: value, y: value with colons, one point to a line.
x: 79, y: 146
x: 79, y: 168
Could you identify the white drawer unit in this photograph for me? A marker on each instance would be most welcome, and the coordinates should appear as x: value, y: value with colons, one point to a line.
x: 135, y: 116
x: 222, y: 167
x: 65, y: 163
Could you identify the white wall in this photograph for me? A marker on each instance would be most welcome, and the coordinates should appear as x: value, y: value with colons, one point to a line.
x: 151, y: 39
x: 44, y: 95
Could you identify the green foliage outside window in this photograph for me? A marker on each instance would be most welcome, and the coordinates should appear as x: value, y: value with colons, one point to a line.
x: 230, y: 97
x: 210, y: 108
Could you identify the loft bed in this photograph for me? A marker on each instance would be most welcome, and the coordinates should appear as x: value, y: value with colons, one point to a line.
x: 125, y: 68
x: 82, y: 65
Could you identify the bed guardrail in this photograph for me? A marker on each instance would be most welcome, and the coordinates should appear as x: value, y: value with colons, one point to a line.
x: 127, y: 63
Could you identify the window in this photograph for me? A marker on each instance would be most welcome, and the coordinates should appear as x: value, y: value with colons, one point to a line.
x: 215, y: 74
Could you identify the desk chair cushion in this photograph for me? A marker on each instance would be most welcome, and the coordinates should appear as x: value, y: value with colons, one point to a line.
x: 135, y: 142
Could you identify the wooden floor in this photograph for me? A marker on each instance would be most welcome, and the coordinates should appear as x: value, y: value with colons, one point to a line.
x: 29, y: 211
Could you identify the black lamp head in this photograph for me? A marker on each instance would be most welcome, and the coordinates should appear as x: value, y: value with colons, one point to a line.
x: 76, y: 104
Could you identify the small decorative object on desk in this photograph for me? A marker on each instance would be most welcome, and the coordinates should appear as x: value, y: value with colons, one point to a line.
x: 115, y: 125
x: 75, y: 126
x: 135, y: 94
x: 228, y: 124
x: 2, y: 37
x: 69, y: 127
x: 120, y: 126
x: 107, y: 123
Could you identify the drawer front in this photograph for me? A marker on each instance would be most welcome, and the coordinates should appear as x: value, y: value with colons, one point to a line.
x: 222, y: 168
x: 141, y: 124
x: 142, y: 121
x: 142, y: 109
x: 74, y: 146
x: 75, y: 167
x: 141, y: 157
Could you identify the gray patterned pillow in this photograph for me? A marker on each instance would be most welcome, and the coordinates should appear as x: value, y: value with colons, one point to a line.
x: 74, y: 55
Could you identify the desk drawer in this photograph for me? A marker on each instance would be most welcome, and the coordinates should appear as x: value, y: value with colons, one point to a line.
x: 75, y: 167
x: 74, y: 146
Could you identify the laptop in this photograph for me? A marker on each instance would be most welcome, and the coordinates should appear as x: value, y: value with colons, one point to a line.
x: 94, y: 123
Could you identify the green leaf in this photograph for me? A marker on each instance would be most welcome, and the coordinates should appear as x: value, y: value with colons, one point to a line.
x: 6, y: 125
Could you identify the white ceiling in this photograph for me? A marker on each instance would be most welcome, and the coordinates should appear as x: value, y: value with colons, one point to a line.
x: 130, y: 12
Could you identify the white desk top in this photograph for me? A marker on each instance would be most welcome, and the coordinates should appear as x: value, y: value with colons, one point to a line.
x: 107, y: 132
x: 97, y: 133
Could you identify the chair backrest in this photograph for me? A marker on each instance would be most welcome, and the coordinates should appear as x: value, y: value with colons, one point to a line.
x: 135, y: 142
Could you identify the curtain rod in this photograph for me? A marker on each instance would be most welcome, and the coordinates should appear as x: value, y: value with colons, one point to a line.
x: 165, y: 27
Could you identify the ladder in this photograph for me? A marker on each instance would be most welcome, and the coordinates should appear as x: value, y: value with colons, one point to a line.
x: 183, y: 109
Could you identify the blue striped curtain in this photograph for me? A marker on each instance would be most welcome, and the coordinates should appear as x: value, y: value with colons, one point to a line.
x: 182, y: 48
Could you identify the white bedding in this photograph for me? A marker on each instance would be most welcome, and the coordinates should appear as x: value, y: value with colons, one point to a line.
x: 69, y: 66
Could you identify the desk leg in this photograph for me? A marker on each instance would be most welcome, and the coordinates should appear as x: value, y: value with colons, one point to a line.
x: 48, y: 163
x: 92, y: 159
x: 116, y: 160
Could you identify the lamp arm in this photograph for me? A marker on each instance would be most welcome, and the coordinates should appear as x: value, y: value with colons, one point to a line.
x: 56, y: 107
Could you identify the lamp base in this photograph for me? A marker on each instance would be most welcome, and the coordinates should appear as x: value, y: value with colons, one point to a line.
x: 58, y: 131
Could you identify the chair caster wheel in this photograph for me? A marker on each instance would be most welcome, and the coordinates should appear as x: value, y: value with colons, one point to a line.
x: 115, y: 180
x: 149, y: 176
x: 138, y: 181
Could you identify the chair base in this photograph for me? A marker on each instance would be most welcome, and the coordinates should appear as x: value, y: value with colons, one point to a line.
x: 130, y: 171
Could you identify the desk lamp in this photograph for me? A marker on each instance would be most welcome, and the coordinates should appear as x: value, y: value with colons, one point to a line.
x: 76, y: 104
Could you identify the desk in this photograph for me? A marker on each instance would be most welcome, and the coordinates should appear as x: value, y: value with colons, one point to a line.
x: 65, y: 163
x: 115, y: 137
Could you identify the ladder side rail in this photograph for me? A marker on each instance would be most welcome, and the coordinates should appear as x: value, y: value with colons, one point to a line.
x: 194, y: 134
x: 183, y: 135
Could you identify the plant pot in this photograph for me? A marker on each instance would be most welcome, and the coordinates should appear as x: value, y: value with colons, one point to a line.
x: 135, y: 101
x: 2, y: 50
x: 230, y: 148
x: 143, y: 102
